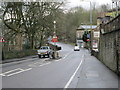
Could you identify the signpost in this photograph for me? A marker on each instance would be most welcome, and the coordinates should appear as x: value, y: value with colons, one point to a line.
x: 54, y: 40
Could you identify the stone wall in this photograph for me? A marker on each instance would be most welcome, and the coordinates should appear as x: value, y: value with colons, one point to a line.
x: 109, y: 46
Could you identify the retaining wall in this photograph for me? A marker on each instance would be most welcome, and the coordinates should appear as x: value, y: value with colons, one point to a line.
x: 109, y: 46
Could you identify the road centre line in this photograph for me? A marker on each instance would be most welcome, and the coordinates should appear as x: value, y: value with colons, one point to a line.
x: 70, y: 80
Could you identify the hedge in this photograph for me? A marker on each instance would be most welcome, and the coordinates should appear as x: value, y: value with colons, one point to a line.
x: 18, y: 54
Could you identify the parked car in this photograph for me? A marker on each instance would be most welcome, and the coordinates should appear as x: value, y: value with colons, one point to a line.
x: 77, y: 48
x: 44, y: 51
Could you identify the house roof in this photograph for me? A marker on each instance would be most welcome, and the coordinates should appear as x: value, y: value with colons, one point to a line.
x: 81, y: 27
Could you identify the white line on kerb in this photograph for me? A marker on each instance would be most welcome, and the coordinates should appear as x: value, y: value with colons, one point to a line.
x: 68, y: 83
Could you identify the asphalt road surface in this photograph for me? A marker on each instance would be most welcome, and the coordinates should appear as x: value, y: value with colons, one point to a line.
x: 45, y: 73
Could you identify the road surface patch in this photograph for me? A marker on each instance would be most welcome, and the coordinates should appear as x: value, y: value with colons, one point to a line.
x: 92, y: 74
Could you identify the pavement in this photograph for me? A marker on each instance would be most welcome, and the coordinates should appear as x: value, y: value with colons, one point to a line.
x: 95, y: 74
x: 74, y: 70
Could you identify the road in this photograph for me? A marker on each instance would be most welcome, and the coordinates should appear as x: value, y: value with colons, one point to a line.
x: 45, y: 73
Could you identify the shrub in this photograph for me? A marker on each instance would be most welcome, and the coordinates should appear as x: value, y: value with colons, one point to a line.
x: 18, y: 54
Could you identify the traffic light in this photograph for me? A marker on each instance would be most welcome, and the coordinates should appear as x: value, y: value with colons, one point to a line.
x: 86, y: 36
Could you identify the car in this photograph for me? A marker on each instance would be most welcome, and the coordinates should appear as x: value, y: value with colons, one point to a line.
x: 77, y: 48
x: 44, y: 51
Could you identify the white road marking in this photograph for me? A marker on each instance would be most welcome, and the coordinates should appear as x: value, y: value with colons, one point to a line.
x: 45, y: 64
x: 19, y: 72
x: 12, y: 70
x: 22, y: 70
x: 35, y: 64
x: 64, y: 57
x: 67, y: 55
x: 27, y: 69
x: 14, y: 73
x: 2, y: 74
x: 68, y: 83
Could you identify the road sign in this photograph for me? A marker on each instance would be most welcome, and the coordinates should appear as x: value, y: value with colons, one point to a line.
x: 55, y: 39
x: 2, y: 39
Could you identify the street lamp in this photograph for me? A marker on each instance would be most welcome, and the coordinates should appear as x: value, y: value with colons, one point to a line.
x: 54, y: 27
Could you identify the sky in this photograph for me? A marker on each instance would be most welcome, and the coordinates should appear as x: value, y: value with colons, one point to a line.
x: 86, y: 3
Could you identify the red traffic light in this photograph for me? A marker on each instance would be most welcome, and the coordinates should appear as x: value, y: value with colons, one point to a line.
x: 88, y: 40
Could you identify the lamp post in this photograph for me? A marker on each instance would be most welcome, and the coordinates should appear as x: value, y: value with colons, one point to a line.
x: 54, y: 27
x: 55, y: 54
x: 54, y: 33
x: 91, y: 25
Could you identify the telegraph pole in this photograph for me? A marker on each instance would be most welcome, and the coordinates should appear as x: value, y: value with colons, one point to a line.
x: 90, y: 26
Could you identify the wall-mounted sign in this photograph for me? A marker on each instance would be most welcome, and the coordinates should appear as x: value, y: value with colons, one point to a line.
x: 96, y: 34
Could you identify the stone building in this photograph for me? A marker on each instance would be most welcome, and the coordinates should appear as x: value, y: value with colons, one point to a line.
x: 80, y: 31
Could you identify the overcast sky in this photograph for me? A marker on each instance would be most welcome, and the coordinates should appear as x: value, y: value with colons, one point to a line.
x: 86, y: 3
